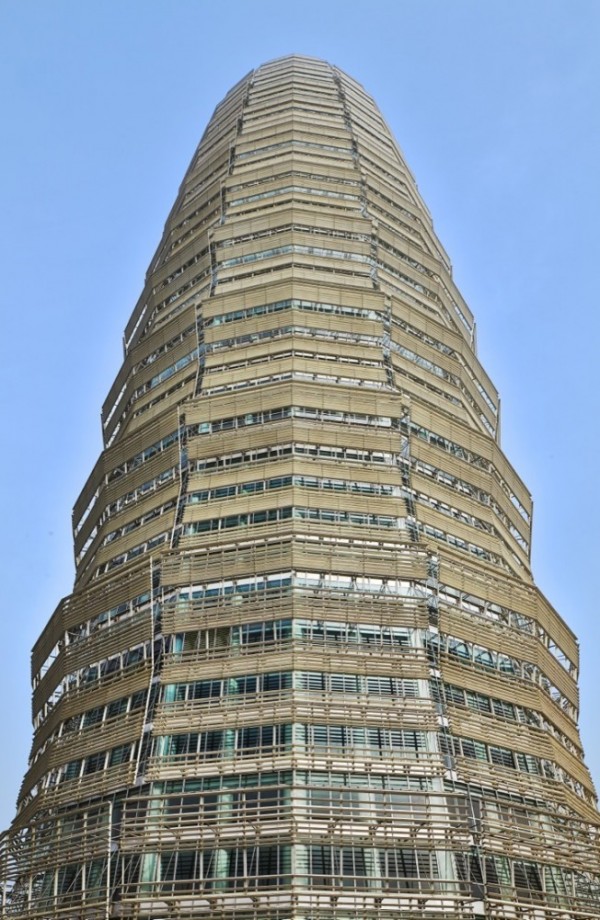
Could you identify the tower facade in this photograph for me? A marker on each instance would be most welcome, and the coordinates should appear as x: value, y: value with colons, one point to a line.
x: 305, y: 672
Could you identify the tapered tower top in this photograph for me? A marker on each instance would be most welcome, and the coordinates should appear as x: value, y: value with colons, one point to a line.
x: 290, y: 84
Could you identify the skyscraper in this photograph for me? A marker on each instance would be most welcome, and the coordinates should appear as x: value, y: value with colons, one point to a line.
x: 305, y: 673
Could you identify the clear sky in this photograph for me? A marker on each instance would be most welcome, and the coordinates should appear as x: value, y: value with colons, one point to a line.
x: 102, y: 102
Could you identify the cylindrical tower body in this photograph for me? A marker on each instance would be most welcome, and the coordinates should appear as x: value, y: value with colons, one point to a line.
x: 305, y: 673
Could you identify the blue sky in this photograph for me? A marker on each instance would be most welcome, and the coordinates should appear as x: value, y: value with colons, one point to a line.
x: 496, y: 106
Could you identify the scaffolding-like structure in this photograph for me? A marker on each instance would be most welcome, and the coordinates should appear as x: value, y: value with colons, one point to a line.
x: 305, y: 672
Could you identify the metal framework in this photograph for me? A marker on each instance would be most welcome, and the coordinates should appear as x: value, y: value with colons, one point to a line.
x: 305, y: 673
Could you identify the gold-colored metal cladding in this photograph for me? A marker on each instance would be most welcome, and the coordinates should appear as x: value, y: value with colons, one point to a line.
x: 305, y: 673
